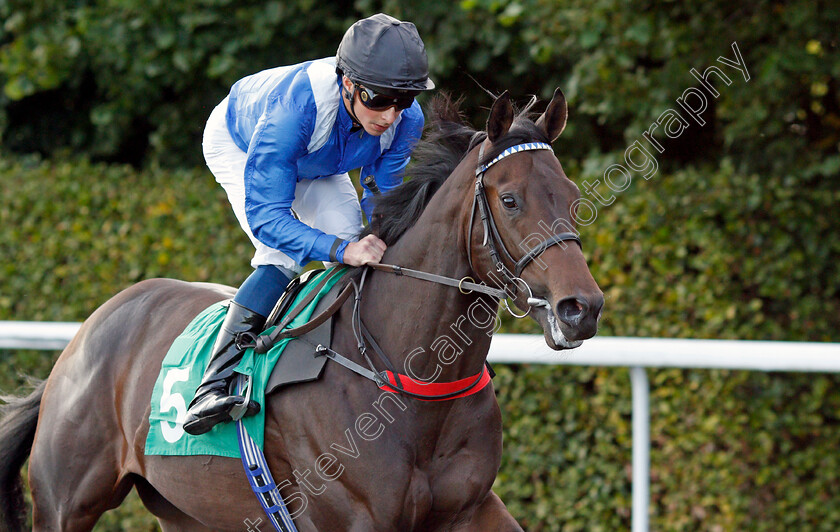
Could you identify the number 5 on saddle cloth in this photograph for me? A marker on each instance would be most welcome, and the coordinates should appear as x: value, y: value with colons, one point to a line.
x: 288, y: 361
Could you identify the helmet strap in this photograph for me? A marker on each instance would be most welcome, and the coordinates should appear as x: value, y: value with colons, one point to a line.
x: 356, y: 121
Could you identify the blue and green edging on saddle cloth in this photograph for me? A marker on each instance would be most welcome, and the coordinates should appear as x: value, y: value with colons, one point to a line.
x: 183, y: 368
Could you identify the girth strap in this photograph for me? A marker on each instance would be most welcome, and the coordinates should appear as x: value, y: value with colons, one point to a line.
x: 259, y: 476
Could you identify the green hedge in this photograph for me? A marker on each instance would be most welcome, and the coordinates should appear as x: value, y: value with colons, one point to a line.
x: 135, y: 80
x: 676, y: 256
x: 123, y: 80
x: 74, y: 233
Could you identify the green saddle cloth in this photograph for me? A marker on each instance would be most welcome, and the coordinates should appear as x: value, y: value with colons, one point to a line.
x: 183, y: 368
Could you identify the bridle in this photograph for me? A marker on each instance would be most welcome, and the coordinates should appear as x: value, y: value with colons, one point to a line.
x: 493, y: 240
x: 511, y: 280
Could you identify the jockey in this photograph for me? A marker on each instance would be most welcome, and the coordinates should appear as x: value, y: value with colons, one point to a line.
x: 281, y: 144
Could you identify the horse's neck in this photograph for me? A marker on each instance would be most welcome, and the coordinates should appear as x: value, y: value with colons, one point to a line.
x: 427, y: 328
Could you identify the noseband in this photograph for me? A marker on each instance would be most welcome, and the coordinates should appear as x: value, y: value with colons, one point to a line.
x: 493, y: 240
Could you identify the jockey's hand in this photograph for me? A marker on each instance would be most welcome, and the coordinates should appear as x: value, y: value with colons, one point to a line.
x: 367, y: 250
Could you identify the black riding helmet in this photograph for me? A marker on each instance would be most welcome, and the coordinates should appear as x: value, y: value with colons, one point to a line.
x: 385, y: 55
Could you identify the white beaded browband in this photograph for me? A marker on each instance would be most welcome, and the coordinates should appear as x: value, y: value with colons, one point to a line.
x: 510, y: 151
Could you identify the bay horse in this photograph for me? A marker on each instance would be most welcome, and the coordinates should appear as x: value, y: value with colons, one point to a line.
x: 352, y: 456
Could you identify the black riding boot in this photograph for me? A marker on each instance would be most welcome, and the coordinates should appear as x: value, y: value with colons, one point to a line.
x: 212, y: 402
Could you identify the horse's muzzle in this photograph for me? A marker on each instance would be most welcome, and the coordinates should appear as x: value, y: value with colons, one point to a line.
x: 570, y: 321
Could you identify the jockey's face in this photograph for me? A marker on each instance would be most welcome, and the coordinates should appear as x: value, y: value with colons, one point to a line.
x: 373, y: 122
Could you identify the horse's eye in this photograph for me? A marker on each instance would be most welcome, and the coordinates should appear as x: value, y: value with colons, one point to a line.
x: 509, y: 201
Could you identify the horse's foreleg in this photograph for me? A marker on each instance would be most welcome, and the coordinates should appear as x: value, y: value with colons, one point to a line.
x: 491, y: 516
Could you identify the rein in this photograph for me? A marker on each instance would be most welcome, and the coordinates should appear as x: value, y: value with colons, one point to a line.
x: 388, y: 380
x: 463, y: 285
x: 391, y: 380
x: 492, y: 240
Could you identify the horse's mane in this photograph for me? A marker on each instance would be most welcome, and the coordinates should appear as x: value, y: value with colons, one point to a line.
x: 446, y: 141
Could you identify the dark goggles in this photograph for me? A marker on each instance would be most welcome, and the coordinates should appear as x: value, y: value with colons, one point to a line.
x: 381, y: 102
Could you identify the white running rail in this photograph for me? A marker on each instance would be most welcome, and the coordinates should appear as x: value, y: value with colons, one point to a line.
x: 635, y: 353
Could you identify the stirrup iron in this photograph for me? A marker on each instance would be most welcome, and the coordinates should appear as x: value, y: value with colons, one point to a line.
x: 238, y: 411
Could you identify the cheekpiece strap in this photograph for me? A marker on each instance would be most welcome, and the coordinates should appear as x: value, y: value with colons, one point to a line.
x: 510, y: 151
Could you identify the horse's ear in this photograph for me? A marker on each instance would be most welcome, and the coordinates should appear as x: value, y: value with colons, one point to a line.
x: 553, y: 120
x: 501, y: 117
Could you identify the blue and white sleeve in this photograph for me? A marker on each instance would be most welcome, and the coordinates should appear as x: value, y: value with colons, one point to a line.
x: 280, y: 139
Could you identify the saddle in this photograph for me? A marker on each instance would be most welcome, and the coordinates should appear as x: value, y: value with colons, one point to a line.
x: 299, y: 362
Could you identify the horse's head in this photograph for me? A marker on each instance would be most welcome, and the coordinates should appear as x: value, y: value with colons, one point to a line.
x: 521, y: 230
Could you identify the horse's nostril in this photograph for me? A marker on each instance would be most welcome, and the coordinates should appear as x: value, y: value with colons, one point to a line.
x: 571, y: 310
